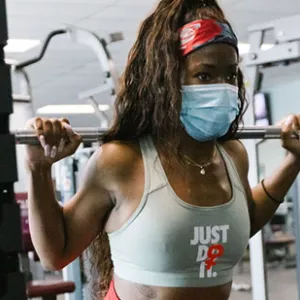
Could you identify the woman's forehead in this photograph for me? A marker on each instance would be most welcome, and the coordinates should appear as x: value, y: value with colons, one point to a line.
x: 214, y: 54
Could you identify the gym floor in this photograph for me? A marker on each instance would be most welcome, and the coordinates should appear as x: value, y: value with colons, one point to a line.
x: 282, y: 284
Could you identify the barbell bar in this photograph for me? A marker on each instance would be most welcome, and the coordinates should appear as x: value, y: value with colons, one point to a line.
x: 93, y: 134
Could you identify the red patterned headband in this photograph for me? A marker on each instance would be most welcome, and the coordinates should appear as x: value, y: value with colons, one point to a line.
x: 200, y: 33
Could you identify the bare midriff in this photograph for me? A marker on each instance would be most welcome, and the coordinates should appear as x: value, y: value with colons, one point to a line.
x: 131, y: 291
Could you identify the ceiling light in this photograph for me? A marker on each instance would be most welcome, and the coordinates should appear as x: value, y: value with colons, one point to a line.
x: 70, y: 109
x: 103, y: 107
x: 245, y: 48
x: 20, y: 45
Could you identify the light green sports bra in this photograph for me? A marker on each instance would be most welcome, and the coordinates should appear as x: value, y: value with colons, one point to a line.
x: 170, y: 243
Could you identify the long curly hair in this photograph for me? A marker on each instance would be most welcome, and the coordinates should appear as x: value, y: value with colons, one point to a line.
x: 149, y: 99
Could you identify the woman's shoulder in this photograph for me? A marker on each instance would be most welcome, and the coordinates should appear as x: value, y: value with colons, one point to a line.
x: 117, y: 157
x: 234, y: 147
x: 238, y: 153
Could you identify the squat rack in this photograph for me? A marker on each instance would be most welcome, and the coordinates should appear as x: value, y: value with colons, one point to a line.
x: 12, y: 281
x: 286, y: 50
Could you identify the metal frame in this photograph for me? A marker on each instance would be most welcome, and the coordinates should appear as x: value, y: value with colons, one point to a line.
x: 25, y: 91
x: 296, y: 213
x: 286, y: 49
x: 111, y: 81
x: 64, y: 171
x: 12, y: 280
x: 99, y: 46
x: 107, y: 65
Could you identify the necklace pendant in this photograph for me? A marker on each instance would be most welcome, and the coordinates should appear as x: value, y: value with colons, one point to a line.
x: 202, y: 172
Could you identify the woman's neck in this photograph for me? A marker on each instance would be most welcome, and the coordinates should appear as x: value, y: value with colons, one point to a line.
x: 199, y: 152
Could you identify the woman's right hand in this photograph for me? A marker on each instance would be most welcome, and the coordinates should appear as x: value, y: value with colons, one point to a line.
x: 57, y: 141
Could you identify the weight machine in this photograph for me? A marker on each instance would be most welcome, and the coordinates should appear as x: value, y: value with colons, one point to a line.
x: 12, y: 281
x: 98, y: 46
x: 286, y: 50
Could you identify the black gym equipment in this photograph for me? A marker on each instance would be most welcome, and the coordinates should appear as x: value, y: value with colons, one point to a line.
x: 12, y: 281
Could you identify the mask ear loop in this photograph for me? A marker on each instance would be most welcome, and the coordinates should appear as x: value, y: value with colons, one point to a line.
x: 182, y: 80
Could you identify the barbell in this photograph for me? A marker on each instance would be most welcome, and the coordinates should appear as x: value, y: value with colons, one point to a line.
x: 93, y: 134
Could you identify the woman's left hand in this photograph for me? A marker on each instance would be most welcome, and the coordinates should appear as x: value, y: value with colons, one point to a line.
x: 289, y: 126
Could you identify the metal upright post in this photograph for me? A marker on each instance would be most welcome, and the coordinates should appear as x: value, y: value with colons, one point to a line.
x: 285, y: 49
x: 12, y: 283
x: 66, y: 184
x: 258, y: 272
x: 294, y: 192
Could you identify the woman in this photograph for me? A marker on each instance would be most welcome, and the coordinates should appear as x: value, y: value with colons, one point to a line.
x: 168, y: 185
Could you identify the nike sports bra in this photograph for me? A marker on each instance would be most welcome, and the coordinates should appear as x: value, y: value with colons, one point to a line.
x: 168, y: 242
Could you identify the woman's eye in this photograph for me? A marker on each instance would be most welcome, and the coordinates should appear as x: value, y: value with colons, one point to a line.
x: 204, y: 76
x: 232, y: 77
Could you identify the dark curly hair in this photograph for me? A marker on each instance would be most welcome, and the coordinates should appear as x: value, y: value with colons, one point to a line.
x: 150, y: 95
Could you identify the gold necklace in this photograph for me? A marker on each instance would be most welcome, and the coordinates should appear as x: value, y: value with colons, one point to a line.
x: 201, y: 166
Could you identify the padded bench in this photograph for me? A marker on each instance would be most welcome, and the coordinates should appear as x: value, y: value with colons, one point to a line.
x: 283, y: 243
x: 49, y: 289
x: 45, y: 289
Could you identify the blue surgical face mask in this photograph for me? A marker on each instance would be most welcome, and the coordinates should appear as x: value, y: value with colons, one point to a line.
x: 208, y: 110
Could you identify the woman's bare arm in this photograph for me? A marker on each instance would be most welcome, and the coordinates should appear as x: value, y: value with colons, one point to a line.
x: 261, y: 207
x: 60, y: 234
